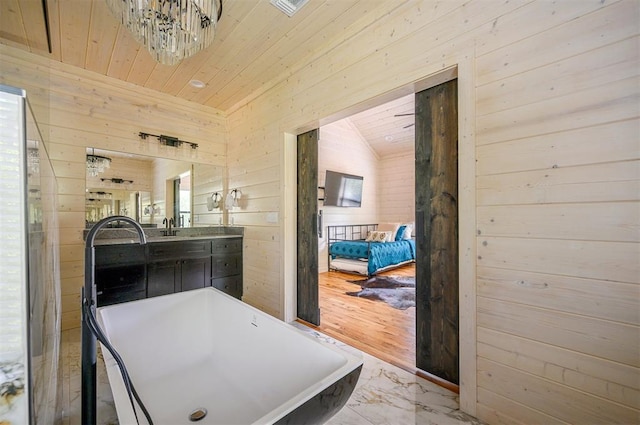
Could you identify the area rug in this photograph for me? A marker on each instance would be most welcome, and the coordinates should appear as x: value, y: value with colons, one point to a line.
x: 397, y: 291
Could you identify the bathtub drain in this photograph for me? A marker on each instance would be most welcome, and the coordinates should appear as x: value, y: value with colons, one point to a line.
x: 198, y: 414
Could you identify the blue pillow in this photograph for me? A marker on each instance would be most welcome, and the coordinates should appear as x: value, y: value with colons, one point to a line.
x: 400, y: 233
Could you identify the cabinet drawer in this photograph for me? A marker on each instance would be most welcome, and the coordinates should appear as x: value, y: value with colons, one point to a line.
x: 226, y: 265
x: 109, y: 298
x: 232, y: 285
x: 120, y: 284
x: 113, y: 255
x: 183, y: 249
x: 130, y: 278
x: 226, y: 245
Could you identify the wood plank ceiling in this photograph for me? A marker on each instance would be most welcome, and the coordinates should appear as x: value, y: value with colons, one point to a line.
x: 256, y: 46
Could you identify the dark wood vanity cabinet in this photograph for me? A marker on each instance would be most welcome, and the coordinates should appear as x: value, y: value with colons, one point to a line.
x: 130, y: 271
x: 178, y: 266
x: 120, y: 273
x: 226, y: 266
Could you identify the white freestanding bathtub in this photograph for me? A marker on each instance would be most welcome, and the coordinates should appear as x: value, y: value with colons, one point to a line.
x: 205, y: 349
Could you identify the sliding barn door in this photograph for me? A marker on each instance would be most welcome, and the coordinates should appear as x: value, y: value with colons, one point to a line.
x: 308, y: 304
x: 437, y: 231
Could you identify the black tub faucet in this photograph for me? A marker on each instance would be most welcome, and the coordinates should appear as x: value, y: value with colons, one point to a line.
x: 89, y: 340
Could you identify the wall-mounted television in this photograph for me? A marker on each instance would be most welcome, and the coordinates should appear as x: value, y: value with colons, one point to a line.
x: 342, y: 190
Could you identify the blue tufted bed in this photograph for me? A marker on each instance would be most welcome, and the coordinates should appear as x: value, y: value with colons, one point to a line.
x: 350, y: 252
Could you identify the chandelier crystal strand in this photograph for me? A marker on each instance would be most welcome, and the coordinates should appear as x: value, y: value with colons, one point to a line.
x: 97, y: 164
x: 171, y: 30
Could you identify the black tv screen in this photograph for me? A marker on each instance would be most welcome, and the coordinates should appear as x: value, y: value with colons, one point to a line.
x: 342, y: 190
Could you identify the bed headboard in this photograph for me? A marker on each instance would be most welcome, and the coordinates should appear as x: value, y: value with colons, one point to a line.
x: 349, y: 232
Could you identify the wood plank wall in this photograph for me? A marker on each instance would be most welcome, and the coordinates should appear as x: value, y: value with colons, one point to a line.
x: 77, y: 109
x: 207, y: 180
x: 396, y: 188
x: 556, y: 136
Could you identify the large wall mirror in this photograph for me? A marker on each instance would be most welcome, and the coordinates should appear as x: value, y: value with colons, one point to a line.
x: 152, y: 190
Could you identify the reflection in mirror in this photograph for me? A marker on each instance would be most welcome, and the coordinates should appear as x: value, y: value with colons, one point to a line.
x: 151, y: 189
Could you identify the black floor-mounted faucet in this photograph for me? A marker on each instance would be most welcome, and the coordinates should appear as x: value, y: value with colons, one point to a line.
x: 89, y: 340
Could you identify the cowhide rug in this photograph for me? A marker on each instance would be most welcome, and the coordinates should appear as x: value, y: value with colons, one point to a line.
x: 397, y: 291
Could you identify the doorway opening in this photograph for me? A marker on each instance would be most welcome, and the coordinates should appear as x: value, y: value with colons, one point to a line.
x: 182, y: 200
x: 437, y: 282
x: 377, y: 145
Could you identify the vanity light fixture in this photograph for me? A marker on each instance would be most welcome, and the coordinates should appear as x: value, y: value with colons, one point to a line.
x: 117, y: 180
x: 167, y: 140
x: 171, y: 30
x: 100, y: 195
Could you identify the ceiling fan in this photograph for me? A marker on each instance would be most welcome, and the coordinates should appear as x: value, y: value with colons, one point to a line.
x: 406, y: 115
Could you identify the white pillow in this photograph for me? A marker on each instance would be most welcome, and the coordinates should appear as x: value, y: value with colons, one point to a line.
x: 389, y: 227
x: 408, y: 231
x: 376, y: 236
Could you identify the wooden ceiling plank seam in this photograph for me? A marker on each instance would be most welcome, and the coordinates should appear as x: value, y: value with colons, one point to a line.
x: 271, y: 61
x: 12, y: 24
x: 125, y: 50
x: 141, y: 69
x: 74, y: 30
x: 34, y: 25
x: 102, y: 38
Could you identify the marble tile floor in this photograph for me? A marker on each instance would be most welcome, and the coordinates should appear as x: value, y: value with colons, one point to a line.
x: 384, y: 394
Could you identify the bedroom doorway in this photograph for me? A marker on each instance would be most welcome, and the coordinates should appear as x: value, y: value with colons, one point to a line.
x: 377, y: 147
x: 436, y: 337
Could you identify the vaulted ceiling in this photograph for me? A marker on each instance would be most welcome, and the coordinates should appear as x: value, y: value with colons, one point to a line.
x: 388, y: 128
x: 256, y: 46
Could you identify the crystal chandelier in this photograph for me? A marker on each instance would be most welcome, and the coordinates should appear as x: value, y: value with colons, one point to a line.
x: 97, y: 164
x: 170, y: 29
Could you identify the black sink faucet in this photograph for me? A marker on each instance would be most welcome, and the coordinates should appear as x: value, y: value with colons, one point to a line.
x: 89, y: 340
x: 169, y: 224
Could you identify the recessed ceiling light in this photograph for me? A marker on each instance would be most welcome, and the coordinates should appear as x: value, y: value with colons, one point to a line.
x: 388, y: 138
x: 197, y: 84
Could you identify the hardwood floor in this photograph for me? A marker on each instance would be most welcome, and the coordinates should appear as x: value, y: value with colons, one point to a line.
x: 371, y: 326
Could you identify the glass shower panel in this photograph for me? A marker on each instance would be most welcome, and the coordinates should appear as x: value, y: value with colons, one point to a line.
x: 30, y: 279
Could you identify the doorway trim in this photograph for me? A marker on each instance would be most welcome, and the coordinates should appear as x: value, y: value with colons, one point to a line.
x: 462, y: 68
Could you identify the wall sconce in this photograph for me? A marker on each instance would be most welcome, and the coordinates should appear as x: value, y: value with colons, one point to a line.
x: 117, y: 180
x: 167, y: 140
x: 213, y: 201
x: 232, y: 199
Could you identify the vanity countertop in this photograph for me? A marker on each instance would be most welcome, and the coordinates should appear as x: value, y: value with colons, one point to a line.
x: 156, y: 239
